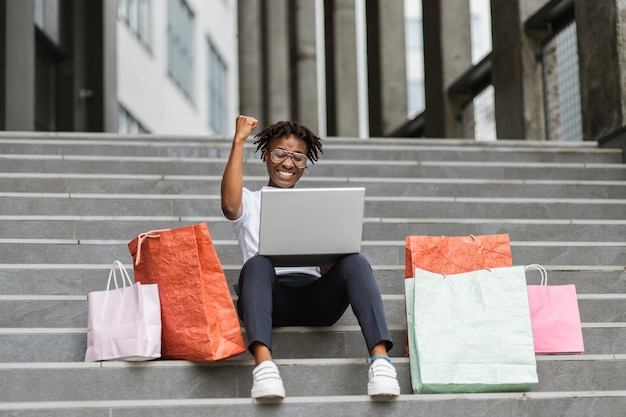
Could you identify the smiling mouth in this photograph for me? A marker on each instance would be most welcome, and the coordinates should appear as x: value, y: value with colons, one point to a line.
x: 286, y: 174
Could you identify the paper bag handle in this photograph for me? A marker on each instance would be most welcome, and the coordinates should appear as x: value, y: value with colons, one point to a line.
x: 125, y: 277
x: 542, y: 271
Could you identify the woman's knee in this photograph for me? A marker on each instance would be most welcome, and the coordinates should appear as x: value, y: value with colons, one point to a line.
x: 255, y: 266
x: 258, y: 262
x: 355, y: 264
x: 256, y: 271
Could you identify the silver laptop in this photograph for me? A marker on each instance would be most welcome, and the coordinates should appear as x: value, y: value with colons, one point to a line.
x: 310, y: 226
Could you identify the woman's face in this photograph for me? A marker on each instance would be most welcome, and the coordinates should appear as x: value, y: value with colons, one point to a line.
x: 285, y: 174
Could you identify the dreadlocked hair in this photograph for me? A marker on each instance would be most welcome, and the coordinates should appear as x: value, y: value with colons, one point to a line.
x: 286, y: 128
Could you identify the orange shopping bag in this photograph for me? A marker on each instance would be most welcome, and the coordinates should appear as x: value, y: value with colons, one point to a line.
x: 456, y: 254
x: 199, y: 320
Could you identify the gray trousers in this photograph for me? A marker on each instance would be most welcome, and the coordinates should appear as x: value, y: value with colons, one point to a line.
x: 267, y: 300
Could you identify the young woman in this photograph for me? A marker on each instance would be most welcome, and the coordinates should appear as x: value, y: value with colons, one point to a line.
x: 304, y: 296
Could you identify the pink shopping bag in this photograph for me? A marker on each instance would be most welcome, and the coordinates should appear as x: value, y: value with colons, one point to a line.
x: 124, y: 323
x: 555, y: 317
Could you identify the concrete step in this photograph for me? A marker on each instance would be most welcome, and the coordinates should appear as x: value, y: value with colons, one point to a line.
x: 80, y: 279
x: 79, y: 227
x: 378, y: 252
x: 71, y: 311
x: 604, y: 403
x: 347, y: 168
x: 334, y: 149
x: 158, y: 380
x: 391, y: 186
x: 341, y: 341
x: 406, y: 207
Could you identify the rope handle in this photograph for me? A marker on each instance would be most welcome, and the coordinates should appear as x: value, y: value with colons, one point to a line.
x: 472, y: 236
x: 542, y: 271
x: 112, y: 274
x: 144, y: 236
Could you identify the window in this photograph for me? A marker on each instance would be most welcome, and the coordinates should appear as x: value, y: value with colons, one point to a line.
x: 217, y: 84
x: 480, y: 28
x: 136, y: 15
x: 484, y: 115
x: 562, y: 86
x: 414, y: 57
x: 180, y: 45
x: 478, y: 117
x: 47, y: 16
x: 128, y: 124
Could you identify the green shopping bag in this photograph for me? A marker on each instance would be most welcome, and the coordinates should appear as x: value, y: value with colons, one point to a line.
x: 470, y: 332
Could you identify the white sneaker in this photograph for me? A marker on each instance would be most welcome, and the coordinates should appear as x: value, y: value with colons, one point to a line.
x: 266, y: 381
x: 382, y: 379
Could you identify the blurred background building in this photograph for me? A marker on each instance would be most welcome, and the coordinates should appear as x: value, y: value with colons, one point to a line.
x: 476, y: 69
x: 159, y: 66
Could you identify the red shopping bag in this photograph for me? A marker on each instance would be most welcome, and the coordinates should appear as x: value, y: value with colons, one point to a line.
x: 456, y: 254
x: 199, y: 319
x: 554, y: 316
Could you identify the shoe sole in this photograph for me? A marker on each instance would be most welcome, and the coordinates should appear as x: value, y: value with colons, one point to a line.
x: 268, y: 394
x: 383, y: 391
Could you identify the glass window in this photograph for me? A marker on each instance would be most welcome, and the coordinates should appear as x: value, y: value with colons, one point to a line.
x: 217, y: 84
x: 180, y: 45
x: 414, y: 39
x: 562, y: 86
x: 480, y: 28
x: 484, y: 115
x: 136, y: 15
x: 46, y: 17
x: 127, y: 123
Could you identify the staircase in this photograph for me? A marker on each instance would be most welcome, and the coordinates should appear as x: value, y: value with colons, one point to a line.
x: 69, y: 203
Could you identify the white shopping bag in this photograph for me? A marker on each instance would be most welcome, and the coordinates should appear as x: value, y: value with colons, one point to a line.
x: 124, y: 323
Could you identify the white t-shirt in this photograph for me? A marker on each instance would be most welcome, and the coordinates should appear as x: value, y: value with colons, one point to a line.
x: 247, y: 230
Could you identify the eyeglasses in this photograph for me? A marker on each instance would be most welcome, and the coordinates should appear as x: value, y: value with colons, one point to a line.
x: 278, y: 155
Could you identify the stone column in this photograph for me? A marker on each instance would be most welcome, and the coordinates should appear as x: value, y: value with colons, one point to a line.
x: 17, y: 65
x: 447, y: 54
x: 515, y: 73
x: 251, y: 76
x: 277, y: 64
x: 388, y: 105
x: 109, y: 71
x: 345, y: 70
x: 602, y: 69
x: 305, y: 106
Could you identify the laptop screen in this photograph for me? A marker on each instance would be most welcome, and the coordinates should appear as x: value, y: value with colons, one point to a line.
x: 310, y: 226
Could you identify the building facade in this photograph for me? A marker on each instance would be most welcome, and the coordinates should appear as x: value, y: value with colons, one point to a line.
x: 342, y: 67
x: 542, y: 77
x: 166, y: 67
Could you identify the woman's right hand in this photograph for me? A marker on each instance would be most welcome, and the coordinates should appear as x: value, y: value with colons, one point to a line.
x: 244, y: 126
x: 232, y: 180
